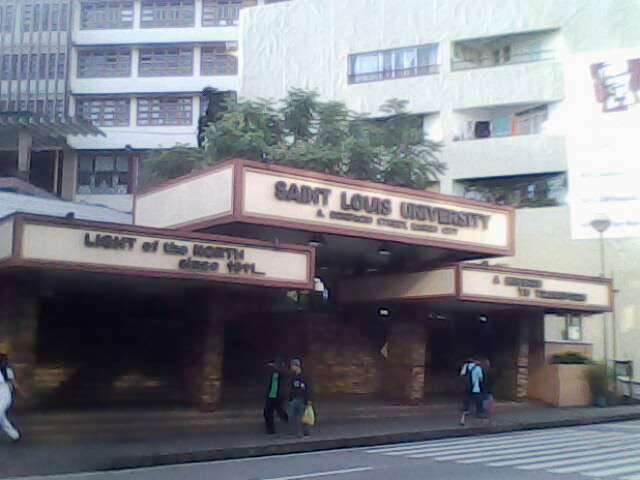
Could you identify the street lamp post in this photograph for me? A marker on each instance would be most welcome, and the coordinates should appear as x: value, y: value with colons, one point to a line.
x: 601, y: 224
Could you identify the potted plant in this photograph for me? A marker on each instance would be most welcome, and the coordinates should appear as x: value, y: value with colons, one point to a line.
x: 599, y: 383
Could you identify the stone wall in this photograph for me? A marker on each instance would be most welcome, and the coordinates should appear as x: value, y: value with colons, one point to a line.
x: 405, y: 370
x: 342, y: 359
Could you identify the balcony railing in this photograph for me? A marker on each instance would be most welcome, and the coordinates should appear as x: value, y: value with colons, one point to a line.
x: 514, y: 58
x: 394, y: 74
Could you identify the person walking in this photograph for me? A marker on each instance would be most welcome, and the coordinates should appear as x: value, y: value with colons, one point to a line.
x: 299, y: 398
x: 489, y: 402
x: 472, y: 373
x: 8, y: 384
x: 273, y: 400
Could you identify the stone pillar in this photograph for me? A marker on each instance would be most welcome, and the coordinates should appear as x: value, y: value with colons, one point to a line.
x: 522, y: 360
x: 69, y: 174
x: 24, y: 153
x: 405, y: 375
x: 18, y: 329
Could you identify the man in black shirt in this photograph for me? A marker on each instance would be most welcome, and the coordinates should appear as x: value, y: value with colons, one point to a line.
x: 299, y: 398
x: 273, y: 400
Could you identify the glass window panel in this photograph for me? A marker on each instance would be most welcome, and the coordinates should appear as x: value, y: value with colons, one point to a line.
x: 167, y: 13
x: 397, y: 63
x: 105, y: 164
x: 104, y: 63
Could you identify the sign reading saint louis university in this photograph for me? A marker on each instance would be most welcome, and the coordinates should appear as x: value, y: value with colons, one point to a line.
x: 281, y: 197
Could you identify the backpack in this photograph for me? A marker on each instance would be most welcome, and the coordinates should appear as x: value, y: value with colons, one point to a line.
x: 470, y: 371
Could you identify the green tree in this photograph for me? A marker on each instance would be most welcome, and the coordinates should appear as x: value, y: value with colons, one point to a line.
x: 305, y: 132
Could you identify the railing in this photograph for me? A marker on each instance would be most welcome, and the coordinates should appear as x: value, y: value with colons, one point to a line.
x: 394, y: 74
x: 514, y: 58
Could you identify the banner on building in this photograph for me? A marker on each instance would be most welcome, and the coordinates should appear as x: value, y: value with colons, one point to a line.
x: 603, y: 136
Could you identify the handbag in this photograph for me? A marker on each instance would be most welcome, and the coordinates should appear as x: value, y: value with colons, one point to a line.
x: 309, y: 416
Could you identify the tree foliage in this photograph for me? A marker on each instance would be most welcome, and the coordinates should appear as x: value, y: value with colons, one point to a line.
x: 305, y: 132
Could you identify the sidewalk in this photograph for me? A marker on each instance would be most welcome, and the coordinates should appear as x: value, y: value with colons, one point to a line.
x: 75, y: 442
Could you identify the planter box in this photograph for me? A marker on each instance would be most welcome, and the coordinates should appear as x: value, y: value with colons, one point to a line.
x: 562, y: 385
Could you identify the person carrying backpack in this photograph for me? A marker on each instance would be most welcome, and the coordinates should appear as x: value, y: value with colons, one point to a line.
x: 473, y: 375
x: 8, y: 384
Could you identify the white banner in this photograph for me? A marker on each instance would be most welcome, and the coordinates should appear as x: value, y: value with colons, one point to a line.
x: 603, y: 141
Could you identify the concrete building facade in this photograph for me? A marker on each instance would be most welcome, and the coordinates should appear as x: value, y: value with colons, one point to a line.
x: 492, y: 81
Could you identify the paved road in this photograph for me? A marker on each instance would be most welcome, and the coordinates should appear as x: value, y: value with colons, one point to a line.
x: 607, y: 451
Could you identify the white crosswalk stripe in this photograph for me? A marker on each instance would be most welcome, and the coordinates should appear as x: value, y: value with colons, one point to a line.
x: 609, y: 452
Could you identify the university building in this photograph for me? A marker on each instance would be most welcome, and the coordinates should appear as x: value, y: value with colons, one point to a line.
x: 242, y: 248
x: 228, y: 268
x: 536, y: 104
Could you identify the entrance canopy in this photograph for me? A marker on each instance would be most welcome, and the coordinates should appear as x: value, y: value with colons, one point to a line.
x: 33, y: 242
x: 357, y: 223
x: 469, y: 285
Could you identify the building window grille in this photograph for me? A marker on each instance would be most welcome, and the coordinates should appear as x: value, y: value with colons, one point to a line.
x: 105, y: 15
x: 7, y: 18
x: 62, y: 65
x: 572, y: 328
x: 221, y: 13
x: 523, y: 191
x: 104, y: 174
x: 104, y: 63
x: 165, y: 62
x: 104, y: 112
x: 219, y: 60
x: 55, y: 17
x: 167, y: 13
x: 391, y: 64
x: 165, y: 111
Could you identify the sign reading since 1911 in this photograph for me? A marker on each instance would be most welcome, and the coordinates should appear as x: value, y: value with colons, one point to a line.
x: 194, y: 257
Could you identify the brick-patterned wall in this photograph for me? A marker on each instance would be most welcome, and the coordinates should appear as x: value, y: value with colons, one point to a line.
x: 405, y: 371
x: 341, y: 359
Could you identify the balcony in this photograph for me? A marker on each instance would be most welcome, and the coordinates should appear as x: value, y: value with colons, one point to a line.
x: 394, y: 74
x: 539, y: 82
x: 498, y: 60
x: 506, y: 156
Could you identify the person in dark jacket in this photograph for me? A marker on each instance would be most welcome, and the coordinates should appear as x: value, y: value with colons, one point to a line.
x: 273, y: 398
x: 299, y: 398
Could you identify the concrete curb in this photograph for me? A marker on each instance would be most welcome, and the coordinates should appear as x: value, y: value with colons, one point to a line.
x: 305, y: 446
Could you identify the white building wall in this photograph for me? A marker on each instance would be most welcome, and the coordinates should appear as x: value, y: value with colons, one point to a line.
x: 306, y: 44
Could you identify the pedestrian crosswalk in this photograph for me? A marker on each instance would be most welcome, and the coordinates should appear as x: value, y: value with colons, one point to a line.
x: 603, y: 452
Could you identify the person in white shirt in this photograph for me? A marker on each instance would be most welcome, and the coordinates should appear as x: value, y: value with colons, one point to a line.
x: 473, y: 376
x: 7, y: 384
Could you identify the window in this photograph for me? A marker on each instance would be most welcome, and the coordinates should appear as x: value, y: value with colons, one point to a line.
x: 104, y: 174
x: 390, y: 64
x: 103, y: 63
x: 530, y: 121
x: 62, y: 66
x: 104, y: 112
x: 219, y: 60
x: 524, y: 191
x: 527, y: 122
x: 7, y: 18
x: 109, y: 14
x: 217, y: 13
x: 51, y: 66
x: 165, y: 62
x: 167, y: 13
x: 165, y: 111
x: 573, y: 328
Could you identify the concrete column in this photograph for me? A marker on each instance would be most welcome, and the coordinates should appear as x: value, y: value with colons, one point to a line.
x: 523, y: 350
x: 210, y: 381
x: 25, y: 142
x: 405, y: 375
x: 18, y: 329
x: 69, y: 174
